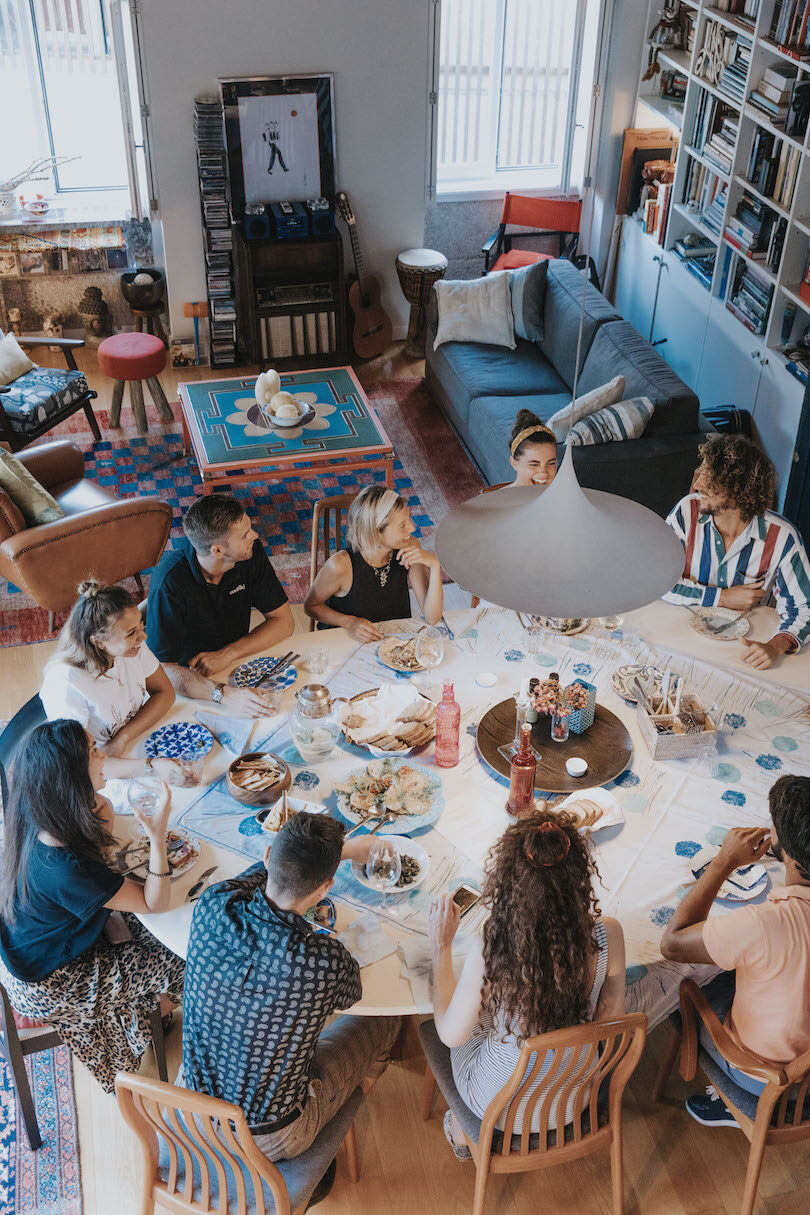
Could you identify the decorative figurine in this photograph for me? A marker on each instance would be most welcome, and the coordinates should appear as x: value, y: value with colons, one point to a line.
x: 96, y: 315
x: 52, y: 324
x: 15, y: 321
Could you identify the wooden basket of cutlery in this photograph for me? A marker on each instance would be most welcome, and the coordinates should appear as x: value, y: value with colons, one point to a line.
x: 676, y: 735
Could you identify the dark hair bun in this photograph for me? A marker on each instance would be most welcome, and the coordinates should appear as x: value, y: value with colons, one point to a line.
x: 524, y: 419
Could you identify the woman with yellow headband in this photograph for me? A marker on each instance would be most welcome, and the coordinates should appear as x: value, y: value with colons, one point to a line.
x: 532, y: 450
x: 546, y: 959
x: 368, y: 580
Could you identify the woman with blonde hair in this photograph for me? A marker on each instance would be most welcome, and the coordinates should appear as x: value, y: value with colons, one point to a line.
x: 532, y: 450
x: 105, y: 677
x: 368, y: 581
x: 546, y: 960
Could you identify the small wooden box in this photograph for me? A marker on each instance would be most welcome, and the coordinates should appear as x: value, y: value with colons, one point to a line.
x: 675, y: 746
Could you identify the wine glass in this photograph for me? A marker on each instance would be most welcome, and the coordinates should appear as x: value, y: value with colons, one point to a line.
x: 143, y: 793
x: 383, y: 867
x: 430, y: 652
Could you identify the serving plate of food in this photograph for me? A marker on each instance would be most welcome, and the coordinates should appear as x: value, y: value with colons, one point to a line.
x: 595, y: 809
x: 273, y: 818
x: 415, y: 867
x: 399, y: 653
x: 411, y: 793
x: 705, y: 620
x: 394, y: 719
x: 258, y: 778
x: 567, y: 625
x: 183, y: 851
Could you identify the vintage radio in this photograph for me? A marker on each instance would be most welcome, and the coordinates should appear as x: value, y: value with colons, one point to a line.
x: 289, y: 220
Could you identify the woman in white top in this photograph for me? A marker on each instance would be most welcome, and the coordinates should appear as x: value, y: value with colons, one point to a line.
x: 104, y: 676
x: 546, y: 960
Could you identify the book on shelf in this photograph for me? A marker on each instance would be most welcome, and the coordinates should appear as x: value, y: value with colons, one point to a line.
x: 686, y: 251
x: 790, y: 27
x: 782, y: 77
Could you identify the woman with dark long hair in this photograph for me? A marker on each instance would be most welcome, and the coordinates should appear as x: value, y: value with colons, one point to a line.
x: 57, y: 890
x: 546, y: 960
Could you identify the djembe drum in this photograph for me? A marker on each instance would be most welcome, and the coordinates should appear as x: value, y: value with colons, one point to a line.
x: 418, y: 270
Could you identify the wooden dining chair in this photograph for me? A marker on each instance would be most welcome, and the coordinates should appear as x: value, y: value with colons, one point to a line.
x: 488, y: 489
x: 596, y: 1079
x: 329, y: 524
x: 198, y: 1156
x: 779, y: 1114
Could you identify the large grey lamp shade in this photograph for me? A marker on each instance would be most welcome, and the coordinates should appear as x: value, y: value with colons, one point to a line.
x: 560, y: 550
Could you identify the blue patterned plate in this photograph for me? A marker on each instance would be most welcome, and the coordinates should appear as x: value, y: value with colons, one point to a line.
x: 180, y: 740
x: 249, y: 674
x: 403, y: 824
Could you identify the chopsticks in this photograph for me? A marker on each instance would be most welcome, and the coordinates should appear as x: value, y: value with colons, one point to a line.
x: 284, y: 661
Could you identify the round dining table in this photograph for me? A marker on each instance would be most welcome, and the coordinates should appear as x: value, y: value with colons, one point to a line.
x: 670, y: 810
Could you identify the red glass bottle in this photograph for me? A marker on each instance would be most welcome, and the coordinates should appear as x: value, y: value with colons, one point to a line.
x: 448, y: 720
x: 521, y: 781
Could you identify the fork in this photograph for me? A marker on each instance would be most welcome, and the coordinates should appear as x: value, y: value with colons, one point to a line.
x: 730, y: 623
x: 710, y: 628
x: 284, y: 661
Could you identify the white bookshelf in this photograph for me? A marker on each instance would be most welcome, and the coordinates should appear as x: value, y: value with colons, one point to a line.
x: 652, y: 107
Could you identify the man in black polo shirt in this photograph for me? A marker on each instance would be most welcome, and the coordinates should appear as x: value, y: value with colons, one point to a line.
x: 200, y: 599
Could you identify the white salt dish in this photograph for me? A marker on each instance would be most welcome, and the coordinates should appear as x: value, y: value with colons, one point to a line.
x: 486, y: 679
x: 576, y: 766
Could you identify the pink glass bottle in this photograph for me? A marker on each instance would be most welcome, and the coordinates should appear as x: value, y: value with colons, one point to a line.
x: 448, y: 719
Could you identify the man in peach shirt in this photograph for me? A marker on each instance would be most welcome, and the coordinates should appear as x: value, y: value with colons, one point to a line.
x: 765, y: 1001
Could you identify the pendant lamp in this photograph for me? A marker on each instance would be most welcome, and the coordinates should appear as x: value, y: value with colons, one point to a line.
x: 561, y: 550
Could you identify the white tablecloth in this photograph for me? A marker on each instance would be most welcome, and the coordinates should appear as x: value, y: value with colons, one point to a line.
x: 671, y: 809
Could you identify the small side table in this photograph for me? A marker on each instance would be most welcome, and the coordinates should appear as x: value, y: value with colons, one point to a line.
x: 133, y: 358
x: 154, y: 324
x: 418, y: 270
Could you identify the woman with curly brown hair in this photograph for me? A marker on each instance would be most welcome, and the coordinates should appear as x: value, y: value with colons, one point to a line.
x: 737, y: 551
x: 546, y: 960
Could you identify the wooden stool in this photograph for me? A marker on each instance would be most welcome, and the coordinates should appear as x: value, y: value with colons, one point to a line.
x: 418, y: 270
x: 135, y: 357
x: 154, y: 324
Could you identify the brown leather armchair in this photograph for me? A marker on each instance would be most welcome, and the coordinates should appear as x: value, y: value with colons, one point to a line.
x: 101, y: 536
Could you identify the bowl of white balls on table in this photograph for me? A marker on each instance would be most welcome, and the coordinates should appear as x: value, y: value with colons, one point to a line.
x: 279, y: 408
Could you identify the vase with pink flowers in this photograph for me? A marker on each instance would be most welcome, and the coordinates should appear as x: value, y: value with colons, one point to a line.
x: 570, y: 708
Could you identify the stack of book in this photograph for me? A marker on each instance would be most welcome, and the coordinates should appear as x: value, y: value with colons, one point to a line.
x: 656, y: 211
x: 790, y: 27
x: 750, y: 228
x: 698, y: 259
x: 705, y: 194
x: 773, y: 93
x: 217, y: 235
x: 750, y: 298
x: 737, y: 58
x: 714, y: 131
x: 746, y: 10
x: 773, y: 167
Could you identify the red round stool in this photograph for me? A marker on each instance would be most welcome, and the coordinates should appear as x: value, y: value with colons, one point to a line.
x: 135, y: 357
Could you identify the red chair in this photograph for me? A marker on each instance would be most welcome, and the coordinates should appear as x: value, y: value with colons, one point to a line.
x: 543, y: 217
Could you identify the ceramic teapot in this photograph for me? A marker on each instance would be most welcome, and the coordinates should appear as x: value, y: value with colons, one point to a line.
x: 317, y: 721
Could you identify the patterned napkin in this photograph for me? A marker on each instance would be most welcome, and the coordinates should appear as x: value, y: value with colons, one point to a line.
x: 230, y: 732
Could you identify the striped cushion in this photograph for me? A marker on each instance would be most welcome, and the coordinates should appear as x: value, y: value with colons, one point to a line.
x: 625, y: 420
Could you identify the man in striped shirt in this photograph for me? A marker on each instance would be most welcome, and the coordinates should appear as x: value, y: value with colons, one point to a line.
x: 738, y: 552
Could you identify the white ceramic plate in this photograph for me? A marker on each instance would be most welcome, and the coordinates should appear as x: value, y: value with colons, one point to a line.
x: 384, y: 651
x: 296, y: 804
x: 407, y: 847
x: 735, y: 894
x: 570, y: 626
x: 612, y: 813
x: 623, y: 678
x: 703, y: 616
x: 138, y: 849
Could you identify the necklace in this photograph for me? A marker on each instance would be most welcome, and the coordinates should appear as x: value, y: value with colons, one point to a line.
x: 382, y: 571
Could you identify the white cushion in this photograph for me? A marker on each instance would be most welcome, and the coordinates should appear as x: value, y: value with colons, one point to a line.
x: 624, y: 420
x: 588, y: 403
x: 14, y: 361
x: 475, y: 310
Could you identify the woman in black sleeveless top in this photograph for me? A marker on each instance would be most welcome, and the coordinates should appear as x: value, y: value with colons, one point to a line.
x: 368, y: 580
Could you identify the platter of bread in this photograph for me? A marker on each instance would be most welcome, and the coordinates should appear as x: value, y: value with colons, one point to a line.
x: 392, y: 720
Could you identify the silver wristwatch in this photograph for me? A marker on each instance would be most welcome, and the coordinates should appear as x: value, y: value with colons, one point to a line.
x: 216, y: 693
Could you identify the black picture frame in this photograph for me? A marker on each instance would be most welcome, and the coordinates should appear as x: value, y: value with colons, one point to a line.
x: 241, y: 89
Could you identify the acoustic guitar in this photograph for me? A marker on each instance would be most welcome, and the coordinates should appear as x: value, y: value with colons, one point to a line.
x: 372, y: 326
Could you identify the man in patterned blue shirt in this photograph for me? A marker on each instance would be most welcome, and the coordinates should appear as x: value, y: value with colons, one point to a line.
x: 260, y: 985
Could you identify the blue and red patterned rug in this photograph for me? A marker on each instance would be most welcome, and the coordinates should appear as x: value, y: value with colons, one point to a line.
x: 432, y: 472
x: 46, y: 1182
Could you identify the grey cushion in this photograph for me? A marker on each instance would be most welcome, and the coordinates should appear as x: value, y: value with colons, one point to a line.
x: 39, y: 393
x: 528, y: 290
x: 561, y: 312
x: 617, y: 423
x: 490, y: 424
x: 301, y: 1174
x: 470, y: 369
x: 438, y: 1056
x: 618, y: 349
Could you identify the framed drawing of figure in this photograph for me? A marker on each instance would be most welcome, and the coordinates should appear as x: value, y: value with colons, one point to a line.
x: 279, y: 138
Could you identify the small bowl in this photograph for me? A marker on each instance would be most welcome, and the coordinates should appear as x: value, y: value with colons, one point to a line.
x: 143, y: 295
x: 576, y: 766
x: 261, y: 797
x: 486, y: 679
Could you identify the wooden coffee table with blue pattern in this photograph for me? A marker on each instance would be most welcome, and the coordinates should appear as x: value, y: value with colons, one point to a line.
x: 233, y: 443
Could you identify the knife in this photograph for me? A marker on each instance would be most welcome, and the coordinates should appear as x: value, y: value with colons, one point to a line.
x: 730, y: 623
x: 171, y: 848
x: 271, y: 670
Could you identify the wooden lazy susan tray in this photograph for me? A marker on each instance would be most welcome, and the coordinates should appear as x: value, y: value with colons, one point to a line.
x: 606, y: 747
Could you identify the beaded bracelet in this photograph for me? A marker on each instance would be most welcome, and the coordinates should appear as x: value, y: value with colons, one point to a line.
x: 152, y: 873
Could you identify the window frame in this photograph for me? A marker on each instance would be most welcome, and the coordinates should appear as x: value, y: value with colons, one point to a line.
x: 508, y: 179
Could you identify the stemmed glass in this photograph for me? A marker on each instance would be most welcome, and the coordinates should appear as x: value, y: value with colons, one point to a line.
x: 430, y: 653
x: 383, y: 868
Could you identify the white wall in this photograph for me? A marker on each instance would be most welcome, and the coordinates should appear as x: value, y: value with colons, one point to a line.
x: 377, y: 51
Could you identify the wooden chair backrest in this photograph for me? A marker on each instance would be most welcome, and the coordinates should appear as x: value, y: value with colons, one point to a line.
x: 329, y: 517
x: 202, y: 1129
x: 612, y: 1050
x: 548, y: 214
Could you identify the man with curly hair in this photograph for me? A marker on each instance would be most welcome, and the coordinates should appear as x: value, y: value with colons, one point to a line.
x: 737, y: 551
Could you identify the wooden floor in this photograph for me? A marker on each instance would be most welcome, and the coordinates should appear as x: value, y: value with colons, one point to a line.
x: 672, y: 1165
